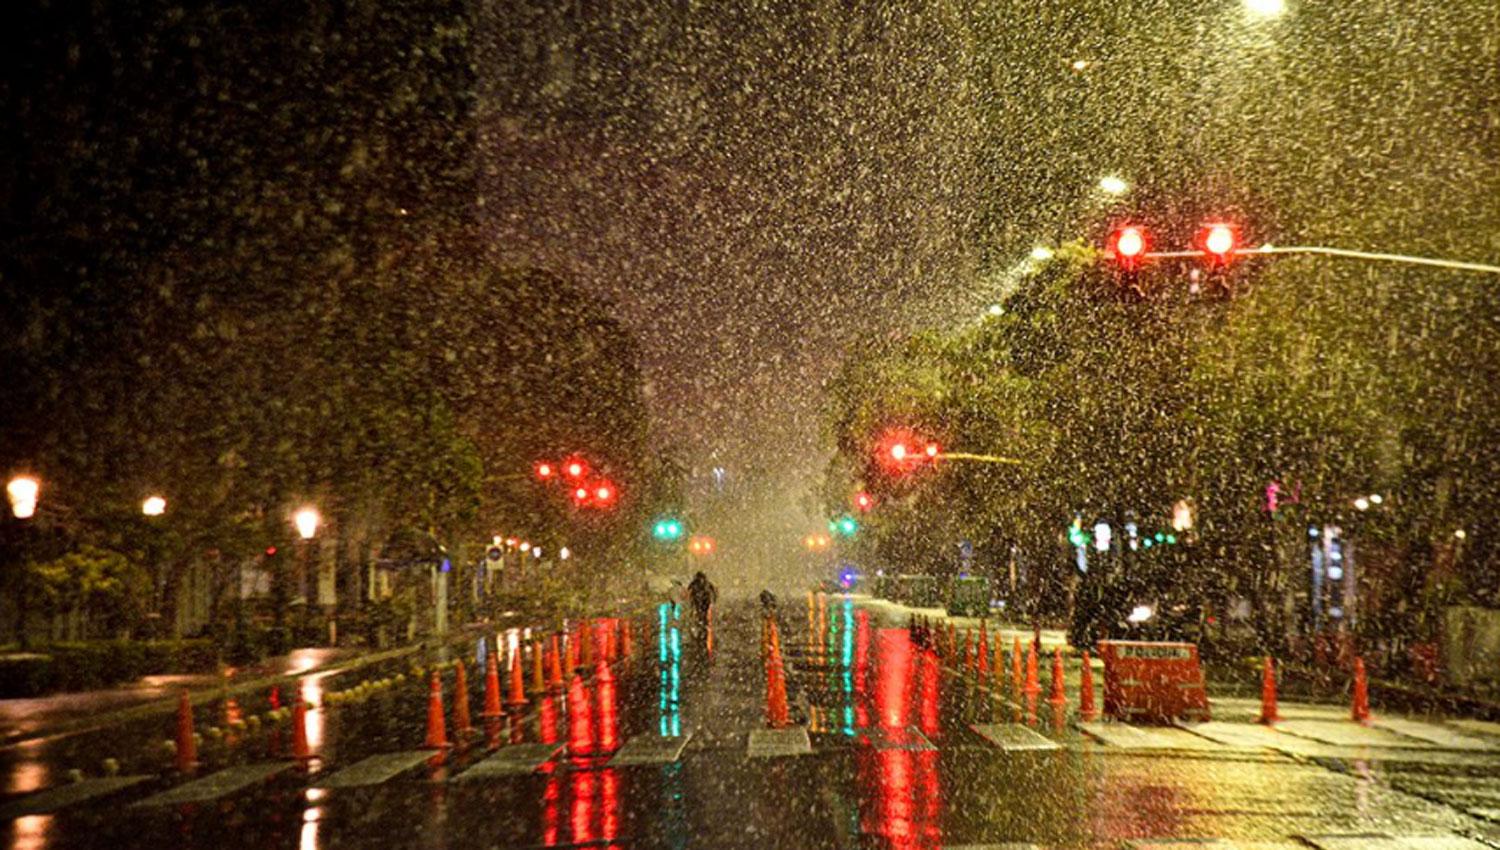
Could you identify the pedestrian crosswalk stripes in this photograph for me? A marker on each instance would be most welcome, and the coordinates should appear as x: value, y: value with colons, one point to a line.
x: 1346, y: 733
x: 1125, y: 736
x: 1390, y: 842
x: 1434, y: 733
x: 59, y: 797
x: 886, y: 738
x: 374, y: 770
x: 651, y: 749
x: 770, y: 743
x: 216, y: 785
x: 512, y: 760
x: 1013, y: 737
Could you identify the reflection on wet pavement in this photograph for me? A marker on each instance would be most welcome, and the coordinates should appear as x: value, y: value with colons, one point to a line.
x: 908, y: 749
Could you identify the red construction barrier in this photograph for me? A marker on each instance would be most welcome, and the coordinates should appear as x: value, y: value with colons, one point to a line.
x: 1151, y: 682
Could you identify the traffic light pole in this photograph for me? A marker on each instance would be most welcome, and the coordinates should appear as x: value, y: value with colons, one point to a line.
x: 1319, y: 250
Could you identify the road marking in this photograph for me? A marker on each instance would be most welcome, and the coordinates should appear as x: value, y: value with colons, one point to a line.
x: 909, y: 738
x: 216, y: 785
x: 1130, y: 737
x: 1244, y: 735
x: 375, y: 769
x: 512, y: 761
x: 1390, y: 842
x: 1013, y: 737
x: 650, y: 749
x: 49, y: 800
x: 1348, y: 733
x: 771, y: 743
x: 1434, y: 733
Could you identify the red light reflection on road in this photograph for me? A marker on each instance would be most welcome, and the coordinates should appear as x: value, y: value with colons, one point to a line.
x: 580, y: 719
x: 894, y: 686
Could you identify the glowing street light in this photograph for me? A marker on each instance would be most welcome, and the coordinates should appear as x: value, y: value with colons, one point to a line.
x: 1109, y: 184
x: 1265, y: 8
x: 154, y: 506
x: 565, y: 553
x: 307, y: 521
x: 22, y: 492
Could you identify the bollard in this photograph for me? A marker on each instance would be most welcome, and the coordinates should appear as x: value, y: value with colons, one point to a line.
x: 1268, y: 712
x: 461, y: 723
x: 187, y: 746
x: 1359, y: 712
x: 301, y: 751
x: 1086, y: 709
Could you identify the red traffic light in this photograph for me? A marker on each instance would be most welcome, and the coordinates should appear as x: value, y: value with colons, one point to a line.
x: 544, y: 470
x: 898, y: 451
x: 863, y: 501
x: 575, y: 468
x: 1128, y: 244
x: 581, y: 494
x: 932, y: 450
x: 1218, y: 241
x: 604, y: 493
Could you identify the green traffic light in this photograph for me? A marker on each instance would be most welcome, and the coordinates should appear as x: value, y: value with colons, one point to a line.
x: 667, y: 529
x: 845, y: 525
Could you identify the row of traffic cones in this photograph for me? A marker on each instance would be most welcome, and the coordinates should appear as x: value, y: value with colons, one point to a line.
x: 1359, y: 702
x: 974, y: 655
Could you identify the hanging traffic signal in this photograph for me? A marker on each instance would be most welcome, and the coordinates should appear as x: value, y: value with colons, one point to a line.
x: 931, y: 451
x: 604, y: 493
x: 900, y: 450
x: 863, y: 501
x: 701, y: 546
x: 845, y: 526
x: 1128, y: 246
x: 667, y: 529
x: 575, y: 468
x: 544, y: 470
x: 1218, y: 241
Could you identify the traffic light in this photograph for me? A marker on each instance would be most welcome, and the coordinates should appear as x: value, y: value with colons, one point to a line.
x: 864, y: 501
x: 581, y: 495
x: 931, y: 451
x: 845, y: 526
x: 817, y: 542
x: 604, y: 493
x: 544, y: 470
x: 1218, y: 241
x: 667, y: 529
x: 1128, y: 246
x: 575, y: 468
x: 701, y: 546
x: 900, y: 450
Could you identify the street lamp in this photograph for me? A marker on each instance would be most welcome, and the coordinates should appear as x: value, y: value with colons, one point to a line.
x: 22, y: 492
x: 1265, y: 8
x: 307, y: 521
x: 1109, y: 184
x: 154, y: 506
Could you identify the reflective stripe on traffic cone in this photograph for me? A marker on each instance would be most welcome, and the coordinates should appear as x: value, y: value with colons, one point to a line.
x: 1059, y: 691
x: 1015, y: 667
x: 538, y: 678
x: 1086, y: 709
x: 187, y: 748
x: 461, y: 724
x: 554, y: 669
x: 301, y: 751
x: 437, y: 731
x: 517, y: 681
x: 1033, y: 683
x: 1268, y: 712
x: 1360, y: 710
x: 491, y: 687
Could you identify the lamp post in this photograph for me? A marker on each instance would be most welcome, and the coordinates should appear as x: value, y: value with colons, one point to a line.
x: 307, y: 520
x: 151, y: 507
x: 22, y: 491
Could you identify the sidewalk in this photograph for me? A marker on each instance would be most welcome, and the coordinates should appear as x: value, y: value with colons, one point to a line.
x: 24, y: 720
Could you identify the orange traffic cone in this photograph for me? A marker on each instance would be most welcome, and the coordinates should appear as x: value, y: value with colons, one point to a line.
x: 1268, y: 713
x: 626, y: 649
x: 461, y: 724
x: 517, y: 681
x: 1015, y: 666
x: 1059, y: 693
x: 778, y: 714
x: 572, y: 646
x: 952, y: 640
x: 1360, y: 711
x: 301, y: 751
x: 554, y: 670
x: 187, y: 748
x: 984, y: 653
x: 491, y: 687
x: 1033, y: 684
x: 538, y: 678
x: 437, y: 731
x: 1086, y: 709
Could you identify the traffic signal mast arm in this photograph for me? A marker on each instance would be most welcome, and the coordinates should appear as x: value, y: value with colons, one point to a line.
x: 979, y: 458
x: 1457, y: 265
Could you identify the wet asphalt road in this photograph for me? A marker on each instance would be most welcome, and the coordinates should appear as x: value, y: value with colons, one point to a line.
x: 892, y: 760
